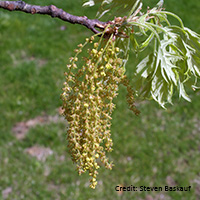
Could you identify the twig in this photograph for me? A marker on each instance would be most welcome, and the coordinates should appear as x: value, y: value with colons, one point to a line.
x: 53, y: 11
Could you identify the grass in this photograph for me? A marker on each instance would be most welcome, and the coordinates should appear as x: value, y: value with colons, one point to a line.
x: 150, y: 150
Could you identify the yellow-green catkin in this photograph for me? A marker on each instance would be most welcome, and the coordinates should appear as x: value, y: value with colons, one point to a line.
x: 87, y: 96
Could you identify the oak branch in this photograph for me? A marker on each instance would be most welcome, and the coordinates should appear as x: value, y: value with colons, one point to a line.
x: 53, y: 11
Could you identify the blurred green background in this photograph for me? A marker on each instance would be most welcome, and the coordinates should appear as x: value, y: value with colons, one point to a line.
x: 158, y: 148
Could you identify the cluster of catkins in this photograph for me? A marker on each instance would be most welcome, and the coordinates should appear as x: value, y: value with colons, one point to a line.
x: 87, y: 96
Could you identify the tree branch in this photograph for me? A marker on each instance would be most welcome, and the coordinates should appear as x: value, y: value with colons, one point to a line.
x: 53, y: 11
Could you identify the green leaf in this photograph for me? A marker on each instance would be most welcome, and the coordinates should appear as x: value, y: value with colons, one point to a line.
x: 182, y: 92
x: 89, y: 3
x: 146, y: 26
x: 175, y: 60
x: 113, y: 7
x: 174, y: 63
x: 134, y: 43
x: 124, y: 45
x: 146, y: 42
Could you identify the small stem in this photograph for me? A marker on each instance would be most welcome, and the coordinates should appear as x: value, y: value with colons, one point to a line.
x: 54, y: 12
x: 173, y: 15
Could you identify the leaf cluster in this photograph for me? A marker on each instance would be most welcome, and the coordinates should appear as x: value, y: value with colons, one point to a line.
x: 173, y: 63
x: 113, y: 7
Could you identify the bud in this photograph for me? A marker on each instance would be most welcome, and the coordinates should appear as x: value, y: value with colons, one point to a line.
x: 94, y: 51
x: 96, y: 45
x: 108, y: 66
x: 80, y: 45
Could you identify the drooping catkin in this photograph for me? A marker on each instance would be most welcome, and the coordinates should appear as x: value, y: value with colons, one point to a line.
x: 87, y: 96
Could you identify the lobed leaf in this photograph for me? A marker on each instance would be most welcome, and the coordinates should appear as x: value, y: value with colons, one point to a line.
x: 174, y: 63
x: 113, y: 7
x: 175, y: 60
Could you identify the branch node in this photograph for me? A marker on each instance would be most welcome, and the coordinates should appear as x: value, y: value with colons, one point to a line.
x: 53, y: 10
x: 11, y: 7
x: 33, y: 10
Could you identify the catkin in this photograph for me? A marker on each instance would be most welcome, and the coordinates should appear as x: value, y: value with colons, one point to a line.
x: 87, y: 96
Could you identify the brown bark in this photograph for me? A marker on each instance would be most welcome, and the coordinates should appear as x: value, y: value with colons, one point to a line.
x: 53, y: 11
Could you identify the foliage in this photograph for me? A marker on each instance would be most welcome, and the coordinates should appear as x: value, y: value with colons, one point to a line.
x: 174, y: 61
x: 113, y: 7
